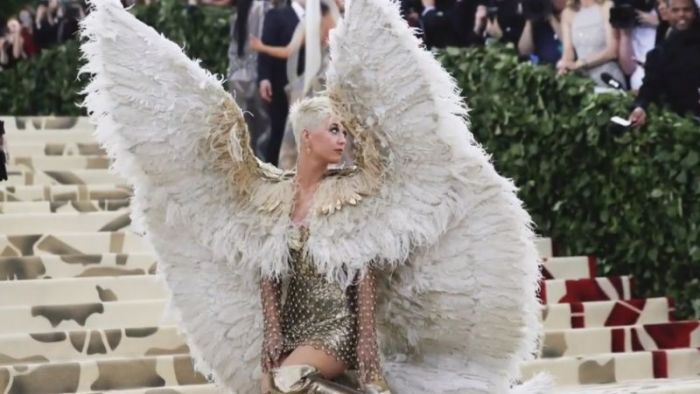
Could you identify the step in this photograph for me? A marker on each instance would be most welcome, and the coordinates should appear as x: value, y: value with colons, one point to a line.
x: 50, y: 137
x: 52, y: 243
x: 60, y: 149
x: 24, y: 223
x: 190, y: 389
x: 576, y: 267
x: 72, y: 177
x: 651, y: 386
x: 92, y: 192
x: 58, y: 163
x: 92, y: 315
x: 617, y: 367
x: 100, y: 375
x: 590, y: 289
x: 51, y: 123
x: 544, y: 246
x: 74, y: 266
x: 639, y: 338
x: 607, y: 313
x: 94, y: 344
x: 81, y: 290
x: 64, y: 206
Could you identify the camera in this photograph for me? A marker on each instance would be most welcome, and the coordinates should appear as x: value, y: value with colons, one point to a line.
x: 537, y: 10
x: 623, y: 14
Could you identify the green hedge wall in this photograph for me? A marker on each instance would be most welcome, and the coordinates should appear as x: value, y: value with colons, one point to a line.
x: 629, y: 197
x: 48, y: 84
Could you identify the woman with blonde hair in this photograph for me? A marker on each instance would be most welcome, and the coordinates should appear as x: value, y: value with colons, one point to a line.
x: 590, y: 42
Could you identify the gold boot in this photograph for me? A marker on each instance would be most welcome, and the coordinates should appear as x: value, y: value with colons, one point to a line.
x: 305, y: 379
x: 378, y: 386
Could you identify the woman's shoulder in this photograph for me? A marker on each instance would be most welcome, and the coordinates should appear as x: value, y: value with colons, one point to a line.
x: 567, y: 14
x: 606, y: 5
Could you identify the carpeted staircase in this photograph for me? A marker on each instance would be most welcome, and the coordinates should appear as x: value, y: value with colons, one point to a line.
x: 80, y: 308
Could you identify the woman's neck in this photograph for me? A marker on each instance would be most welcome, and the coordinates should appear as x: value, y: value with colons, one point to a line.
x: 587, y: 3
x: 310, y: 171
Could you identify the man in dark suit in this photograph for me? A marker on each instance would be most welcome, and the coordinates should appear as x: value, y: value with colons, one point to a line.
x: 278, y: 30
x: 671, y: 74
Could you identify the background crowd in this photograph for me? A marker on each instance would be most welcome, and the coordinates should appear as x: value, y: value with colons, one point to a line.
x: 651, y: 47
x: 38, y: 27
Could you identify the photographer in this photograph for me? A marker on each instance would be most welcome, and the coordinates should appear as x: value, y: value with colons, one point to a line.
x: 20, y: 40
x: 448, y: 22
x: 45, y: 24
x: 540, y: 38
x: 499, y: 21
x: 671, y: 71
x: 68, y: 14
x: 636, y: 21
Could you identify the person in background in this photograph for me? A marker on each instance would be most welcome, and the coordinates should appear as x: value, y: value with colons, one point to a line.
x: 243, y: 65
x: 664, y: 26
x: 45, y: 26
x: 4, y: 155
x: 499, y: 21
x: 278, y: 29
x: 68, y: 16
x: 411, y: 12
x: 314, y: 35
x: 26, y: 19
x: 635, y: 43
x: 590, y: 42
x: 21, y: 40
x: 448, y: 23
x: 672, y: 70
x: 5, y: 49
x: 541, y: 37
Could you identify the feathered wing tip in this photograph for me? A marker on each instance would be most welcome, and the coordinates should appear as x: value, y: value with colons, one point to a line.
x: 541, y: 383
x: 473, y: 273
x: 164, y: 121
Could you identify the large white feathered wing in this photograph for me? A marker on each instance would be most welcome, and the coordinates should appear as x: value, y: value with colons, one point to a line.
x: 177, y: 136
x: 460, y: 312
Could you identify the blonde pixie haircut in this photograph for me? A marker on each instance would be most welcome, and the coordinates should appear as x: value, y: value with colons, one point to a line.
x: 308, y: 113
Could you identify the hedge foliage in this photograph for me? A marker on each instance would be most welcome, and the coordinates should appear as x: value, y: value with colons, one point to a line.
x: 48, y: 84
x: 629, y: 197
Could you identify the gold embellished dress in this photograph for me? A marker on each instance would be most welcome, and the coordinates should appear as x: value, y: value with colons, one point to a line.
x: 317, y: 312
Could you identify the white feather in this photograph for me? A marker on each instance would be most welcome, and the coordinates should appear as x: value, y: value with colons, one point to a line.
x: 458, y: 313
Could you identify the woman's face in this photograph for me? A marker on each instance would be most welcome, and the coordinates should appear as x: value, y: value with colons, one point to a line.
x: 326, y: 142
x: 13, y: 26
x: 682, y: 14
x: 663, y: 10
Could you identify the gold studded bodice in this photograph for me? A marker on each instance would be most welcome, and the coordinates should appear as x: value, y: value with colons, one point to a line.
x: 317, y: 312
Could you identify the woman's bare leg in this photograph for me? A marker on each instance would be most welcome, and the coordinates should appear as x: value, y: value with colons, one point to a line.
x: 326, y: 365
x: 265, y: 387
